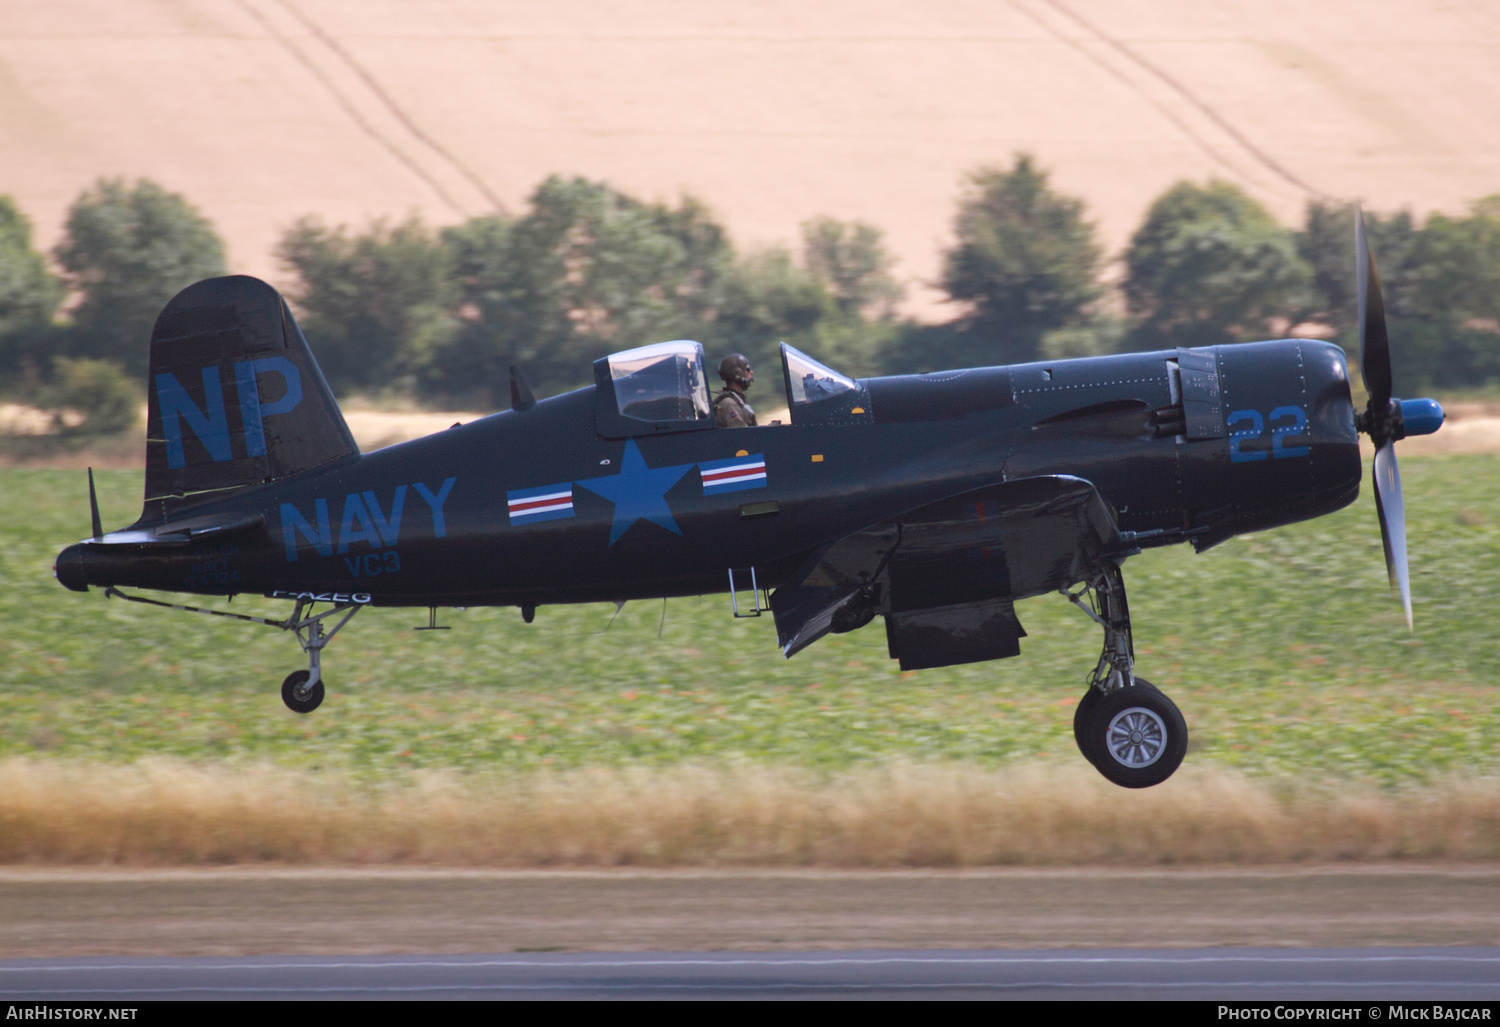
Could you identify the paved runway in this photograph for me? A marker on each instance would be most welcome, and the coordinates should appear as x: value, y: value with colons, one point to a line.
x: 1362, y: 976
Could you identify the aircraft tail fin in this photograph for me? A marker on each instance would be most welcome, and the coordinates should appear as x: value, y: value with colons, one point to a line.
x: 236, y: 398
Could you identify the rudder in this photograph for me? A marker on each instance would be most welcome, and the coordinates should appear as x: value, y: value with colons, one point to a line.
x: 236, y: 398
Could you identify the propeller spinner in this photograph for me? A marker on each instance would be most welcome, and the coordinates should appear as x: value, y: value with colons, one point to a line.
x: 1385, y: 419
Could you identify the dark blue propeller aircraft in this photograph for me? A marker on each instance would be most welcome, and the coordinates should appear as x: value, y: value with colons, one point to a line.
x: 935, y: 501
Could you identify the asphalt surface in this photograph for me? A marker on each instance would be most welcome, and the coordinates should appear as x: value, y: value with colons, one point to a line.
x: 1362, y: 976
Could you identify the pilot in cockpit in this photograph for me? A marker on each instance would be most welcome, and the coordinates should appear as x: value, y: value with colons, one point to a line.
x: 730, y: 408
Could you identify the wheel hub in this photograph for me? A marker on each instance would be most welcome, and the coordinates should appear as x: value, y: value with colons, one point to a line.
x: 1136, y: 737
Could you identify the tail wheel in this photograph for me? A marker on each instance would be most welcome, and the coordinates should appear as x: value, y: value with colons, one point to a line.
x: 1136, y: 737
x: 298, y: 695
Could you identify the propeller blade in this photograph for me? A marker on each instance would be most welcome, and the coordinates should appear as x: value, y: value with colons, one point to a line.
x: 1392, y: 511
x: 1374, y: 344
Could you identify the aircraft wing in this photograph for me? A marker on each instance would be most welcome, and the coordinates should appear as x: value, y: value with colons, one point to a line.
x: 976, y: 550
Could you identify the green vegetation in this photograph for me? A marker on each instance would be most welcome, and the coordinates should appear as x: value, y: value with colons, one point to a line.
x: 374, y: 305
x: 401, y: 311
x: 29, y: 292
x: 127, y: 251
x: 586, y: 270
x: 1285, y: 650
x: 1210, y: 266
x: 1026, y: 262
x: 97, y: 391
x: 1325, y: 244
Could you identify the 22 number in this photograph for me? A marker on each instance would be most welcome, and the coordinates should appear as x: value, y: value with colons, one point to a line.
x: 1297, y: 425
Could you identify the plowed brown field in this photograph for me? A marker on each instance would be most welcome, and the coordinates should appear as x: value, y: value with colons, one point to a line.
x: 265, y: 110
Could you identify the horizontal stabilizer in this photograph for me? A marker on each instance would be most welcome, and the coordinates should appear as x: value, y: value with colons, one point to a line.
x: 185, y: 531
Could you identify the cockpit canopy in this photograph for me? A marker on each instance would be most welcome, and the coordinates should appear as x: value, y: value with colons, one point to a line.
x: 663, y: 388
x: 650, y: 389
x: 818, y: 394
x: 662, y: 382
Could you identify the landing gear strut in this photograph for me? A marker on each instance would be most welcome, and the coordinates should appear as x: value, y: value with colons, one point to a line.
x: 302, y: 691
x: 1133, y: 734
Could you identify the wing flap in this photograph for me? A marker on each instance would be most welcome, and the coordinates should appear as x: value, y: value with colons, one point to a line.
x: 999, y: 542
x: 828, y: 583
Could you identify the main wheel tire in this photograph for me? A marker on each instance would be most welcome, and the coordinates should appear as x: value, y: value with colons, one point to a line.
x: 300, y: 698
x: 1137, y: 736
x: 1083, y: 713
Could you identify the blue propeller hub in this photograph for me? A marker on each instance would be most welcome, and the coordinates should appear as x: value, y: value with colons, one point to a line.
x: 1421, y: 416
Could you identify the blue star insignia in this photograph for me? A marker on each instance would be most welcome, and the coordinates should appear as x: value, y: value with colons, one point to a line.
x: 638, y: 492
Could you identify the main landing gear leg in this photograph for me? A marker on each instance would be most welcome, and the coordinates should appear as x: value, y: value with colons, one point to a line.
x: 302, y: 691
x: 1133, y: 734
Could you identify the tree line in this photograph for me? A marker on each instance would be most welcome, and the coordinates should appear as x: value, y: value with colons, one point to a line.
x: 440, y: 314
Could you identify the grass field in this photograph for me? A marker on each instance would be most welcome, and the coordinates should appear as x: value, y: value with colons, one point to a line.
x: 1285, y: 651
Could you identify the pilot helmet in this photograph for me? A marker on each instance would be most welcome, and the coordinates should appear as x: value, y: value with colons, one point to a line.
x: 735, y: 368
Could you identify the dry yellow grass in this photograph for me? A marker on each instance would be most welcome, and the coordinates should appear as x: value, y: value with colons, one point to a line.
x: 162, y: 812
